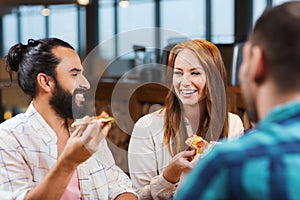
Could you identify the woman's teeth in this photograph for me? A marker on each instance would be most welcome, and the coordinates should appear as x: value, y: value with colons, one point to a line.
x: 188, y: 92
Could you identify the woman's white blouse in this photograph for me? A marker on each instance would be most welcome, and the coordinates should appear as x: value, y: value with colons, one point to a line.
x: 148, y: 156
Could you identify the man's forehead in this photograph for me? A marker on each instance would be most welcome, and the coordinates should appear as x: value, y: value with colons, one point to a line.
x: 68, y: 59
x: 59, y: 51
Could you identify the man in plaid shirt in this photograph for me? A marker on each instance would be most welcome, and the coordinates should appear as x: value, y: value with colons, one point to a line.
x: 41, y: 155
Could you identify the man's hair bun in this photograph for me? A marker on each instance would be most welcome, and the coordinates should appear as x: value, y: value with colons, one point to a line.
x: 15, y: 56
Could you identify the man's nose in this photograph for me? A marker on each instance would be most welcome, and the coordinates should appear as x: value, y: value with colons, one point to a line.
x: 83, y: 82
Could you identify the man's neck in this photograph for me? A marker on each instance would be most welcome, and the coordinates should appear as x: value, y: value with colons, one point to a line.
x: 56, y: 122
x: 268, y: 97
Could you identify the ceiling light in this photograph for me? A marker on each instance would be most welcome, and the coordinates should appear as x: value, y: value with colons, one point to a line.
x: 124, y: 3
x: 83, y: 2
x: 45, y: 11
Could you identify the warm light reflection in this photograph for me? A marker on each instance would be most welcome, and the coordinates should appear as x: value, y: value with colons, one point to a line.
x: 124, y: 3
x: 83, y: 2
x: 7, y: 115
x: 45, y: 12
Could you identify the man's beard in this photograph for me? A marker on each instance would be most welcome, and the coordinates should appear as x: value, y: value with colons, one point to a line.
x: 249, y: 102
x: 64, y: 104
x: 251, y: 110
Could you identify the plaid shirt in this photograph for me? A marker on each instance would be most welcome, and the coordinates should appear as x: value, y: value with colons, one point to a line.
x: 28, y: 151
x: 263, y: 164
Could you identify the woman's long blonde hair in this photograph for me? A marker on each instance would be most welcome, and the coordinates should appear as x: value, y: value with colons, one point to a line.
x: 215, y: 125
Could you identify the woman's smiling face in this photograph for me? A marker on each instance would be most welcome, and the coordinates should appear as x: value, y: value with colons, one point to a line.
x: 189, y: 78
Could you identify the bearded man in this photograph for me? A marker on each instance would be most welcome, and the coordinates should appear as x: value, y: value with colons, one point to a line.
x: 42, y: 157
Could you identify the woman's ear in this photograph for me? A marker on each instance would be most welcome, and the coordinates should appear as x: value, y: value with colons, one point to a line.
x: 45, y: 82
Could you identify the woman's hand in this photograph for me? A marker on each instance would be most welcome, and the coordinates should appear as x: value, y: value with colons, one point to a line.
x: 179, y: 164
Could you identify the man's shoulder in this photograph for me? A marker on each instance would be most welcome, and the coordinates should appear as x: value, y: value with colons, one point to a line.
x: 237, y: 150
x: 15, y: 126
x: 256, y: 144
x: 20, y: 120
x: 11, y: 132
x: 13, y: 122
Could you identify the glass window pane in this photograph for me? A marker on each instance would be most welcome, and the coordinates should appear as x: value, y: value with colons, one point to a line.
x: 63, y: 23
x: 106, y: 20
x: 222, y: 21
x: 32, y: 23
x: 174, y: 16
x: 106, y: 28
x: 10, y: 32
x: 258, y: 8
x: 138, y: 15
x: 277, y: 2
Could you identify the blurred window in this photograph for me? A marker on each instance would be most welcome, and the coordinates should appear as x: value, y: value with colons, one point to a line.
x: 138, y: 15
x: 63, y: 23
x: 106, y: 20
x: 10, y: 31
x: 184, y: 18
x: 222, y: 21
x: 277, y: 2
x: 258, y: 7
x: 32, y: 23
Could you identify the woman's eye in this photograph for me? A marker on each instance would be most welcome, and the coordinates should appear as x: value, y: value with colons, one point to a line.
x: 76, y: 74
x: 177, y: 73
x: 196, y: 73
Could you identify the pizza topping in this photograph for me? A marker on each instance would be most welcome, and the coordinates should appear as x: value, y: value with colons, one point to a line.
x: 197, y: 142
x: 103, y: 118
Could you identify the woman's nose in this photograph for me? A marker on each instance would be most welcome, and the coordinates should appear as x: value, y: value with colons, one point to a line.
x: 185, y: 80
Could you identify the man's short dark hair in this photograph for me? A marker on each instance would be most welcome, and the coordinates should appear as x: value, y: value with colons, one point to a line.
x: 277, y: 31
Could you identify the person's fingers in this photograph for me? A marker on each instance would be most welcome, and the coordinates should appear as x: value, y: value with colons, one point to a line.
x: 196, y: 159
x: 80, y: 128
x: 187, y: 154
x: 105, y: 129
x: 75, y: 133
x: 103, y: 132
x: 93, y: 130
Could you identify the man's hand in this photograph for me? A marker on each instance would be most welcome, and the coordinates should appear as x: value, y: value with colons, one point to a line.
x: 84, y: 141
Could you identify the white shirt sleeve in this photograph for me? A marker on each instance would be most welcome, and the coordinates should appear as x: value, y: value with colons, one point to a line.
x: 236, y: 127
x: 143, y: 163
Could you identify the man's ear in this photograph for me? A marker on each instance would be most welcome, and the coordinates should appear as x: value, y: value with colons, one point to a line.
x: 45, y: 82
x: 259, y: 64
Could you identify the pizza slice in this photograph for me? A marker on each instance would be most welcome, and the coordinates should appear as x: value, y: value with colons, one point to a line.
x: 103, y: 118
x: 197, y: 142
